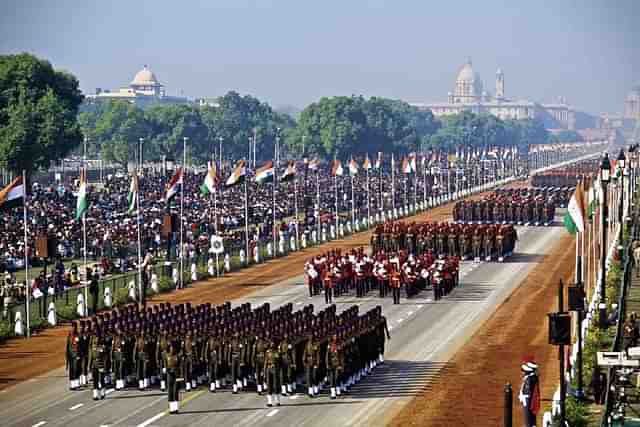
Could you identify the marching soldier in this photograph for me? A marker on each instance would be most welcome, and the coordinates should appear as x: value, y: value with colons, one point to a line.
x: 140, y: 358
x: 327, y: 280
x: 395, y: 285
x: 334, y: 365
x: 72, y: 357
x: 287, y: 364
x: 311, y: 361
x: 172, y: 363
x: 236, y: 360
x: 97, y: 362
x: 271, y: 368
x: 261, y: 345
x: 161, y: 350
x: 117, y: 356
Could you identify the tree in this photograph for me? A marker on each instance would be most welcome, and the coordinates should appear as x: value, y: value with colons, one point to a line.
x: 38, y: 113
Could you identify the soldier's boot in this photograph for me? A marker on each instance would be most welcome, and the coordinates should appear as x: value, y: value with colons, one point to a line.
x: 338, y: 390
x: 83, y: 380
x: 244, y: 382
x: 194, y: 384
x: 212, y: 387
x: 163, y: 385
x: 188, y: 385
x: 96, y: 394
x: 264, y: 386
x: 381, y: 358
x: 310, y: 392
x: 235, y: 388
x: 277, y: 400
x: 103, y: 393
x: 239, y: 382
x: 141, y: 384
x: 283, y: 390
x: 260, y: 389
x: 269, y: 400
x: 217, y: 383
x: 333, y: 392
x: 315, y: 390
x: 146, y: 383
x: 290, y: 388
x: 173, y: 407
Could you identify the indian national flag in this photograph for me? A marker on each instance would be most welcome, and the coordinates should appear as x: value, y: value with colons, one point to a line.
x: 574, y: 218
x: 353, y: 167
x: 337, y: 170
x: 289, y: 172
x: 265, y: 173
x: 210, y: 180
x: 12, y: 195
x: 238, y: 174
x: 82, y: 203
x: 174, y: 185
x: 314, y: 164
x: 133, y: 193
x: 366, y: 165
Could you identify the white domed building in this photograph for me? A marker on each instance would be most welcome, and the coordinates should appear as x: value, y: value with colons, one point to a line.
x: 469, y: 94
x: 632, y: 104
x: 144, y: 90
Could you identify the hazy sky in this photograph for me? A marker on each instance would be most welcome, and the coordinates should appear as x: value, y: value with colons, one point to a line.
x: 295, y: 51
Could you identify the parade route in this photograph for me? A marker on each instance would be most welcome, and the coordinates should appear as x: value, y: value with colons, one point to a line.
x: 424, y: 336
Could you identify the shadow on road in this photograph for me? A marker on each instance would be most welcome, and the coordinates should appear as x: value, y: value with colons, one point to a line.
x: 398, y: 378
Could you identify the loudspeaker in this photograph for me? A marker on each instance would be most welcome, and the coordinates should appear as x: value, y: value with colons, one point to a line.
x: 576, y: 298
x: 42, y: 247
x: 169, y: 224
x: 559, y: 328
x: 46, y: 246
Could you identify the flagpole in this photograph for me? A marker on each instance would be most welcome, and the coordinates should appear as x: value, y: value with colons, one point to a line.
x: 424, y: 189
x: 335, y: 186
x: 26, y: 253
x: 139, y: 240
x: 318, y: 225
x: 353, y: 208
x: 295, y: 205
x: 393, y: 185
x: 275, y: 185
x: 368, y: 199
x: 415, y: 189
x: 184, y: 171
x: 246, y: 219
x: 215, y: 219
x: 380, y: 200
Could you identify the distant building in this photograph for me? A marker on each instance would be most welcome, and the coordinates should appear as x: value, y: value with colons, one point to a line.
x: 632, y: 104
x: 144, y: 90
x: 469, y: 95
x: 627, y: 122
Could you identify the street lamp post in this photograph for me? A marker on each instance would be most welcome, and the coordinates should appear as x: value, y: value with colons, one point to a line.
x: 605, y: 176
x: 621, y: 161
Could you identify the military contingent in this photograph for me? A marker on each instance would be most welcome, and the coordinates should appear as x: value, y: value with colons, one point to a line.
x: 464, y: 241
x: 244, y: 349
x: 568, y: 176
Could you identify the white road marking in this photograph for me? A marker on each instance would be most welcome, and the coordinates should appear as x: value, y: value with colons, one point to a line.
x: 110, y: 390
x: 270, y: 414
x: 410, y: 313
x: 74, y: 407
x: 420, y: 305
x: 295, y: 396
x: 299, y: 303
x: 41, y: 423
x: 400, y: 320
x: 152, y: 419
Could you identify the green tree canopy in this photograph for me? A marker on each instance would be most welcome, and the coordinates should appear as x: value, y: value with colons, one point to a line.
x: 38, y: 113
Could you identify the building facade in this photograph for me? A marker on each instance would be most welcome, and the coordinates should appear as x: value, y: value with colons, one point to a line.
x: 144, y: 90
x: 469, y: 95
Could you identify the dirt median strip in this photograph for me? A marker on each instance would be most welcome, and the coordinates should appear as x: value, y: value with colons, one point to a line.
x: 22, y: 359
x: 470, y: 391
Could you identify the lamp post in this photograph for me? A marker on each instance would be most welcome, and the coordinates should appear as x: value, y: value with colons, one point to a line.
x: 621, y: 161
x: 605, y: 175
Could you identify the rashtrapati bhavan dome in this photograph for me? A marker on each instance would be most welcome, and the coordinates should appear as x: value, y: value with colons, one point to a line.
x: 469, y: 94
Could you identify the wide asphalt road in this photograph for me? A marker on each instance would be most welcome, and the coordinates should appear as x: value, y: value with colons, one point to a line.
x: 424, y: 335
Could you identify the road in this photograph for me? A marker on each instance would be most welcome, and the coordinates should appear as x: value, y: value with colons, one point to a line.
x: 424, y: 335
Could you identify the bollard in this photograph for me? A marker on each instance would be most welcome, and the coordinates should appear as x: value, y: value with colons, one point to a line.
x: 508, y: 405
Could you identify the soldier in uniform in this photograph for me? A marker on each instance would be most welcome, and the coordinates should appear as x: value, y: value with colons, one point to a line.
x: 97, y: 364
x: 287, y: 364
x: 334, y: 365
x: 236, y: 360
x: 160, y: 356
x: 327, y: 279
x: 259, y: 352
x: 311, y: 361
x: 172, y: 363
x: 395, y: 285
x: 271, y: 368
x: 117, y: 356
x: 83, y: 351
x: 72, y: 357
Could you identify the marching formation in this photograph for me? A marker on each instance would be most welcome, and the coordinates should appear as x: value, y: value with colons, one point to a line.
x: 478, y: 241
x: 267, y: 351
x: 510, y: 208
